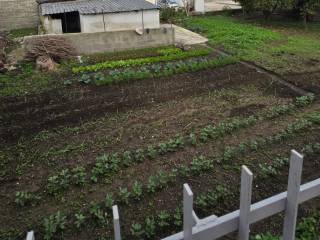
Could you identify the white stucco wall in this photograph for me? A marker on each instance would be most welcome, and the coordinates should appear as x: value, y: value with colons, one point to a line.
x: 52, y: 26
x: 119, y: 21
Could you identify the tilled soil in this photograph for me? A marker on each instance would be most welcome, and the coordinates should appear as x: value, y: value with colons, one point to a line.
x: 309, y: 81
x: 74, y: 105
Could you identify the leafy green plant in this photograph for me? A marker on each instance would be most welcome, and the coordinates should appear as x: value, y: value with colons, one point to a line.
x: 127, y: 158
x: 267, y: 236
x: 139, y: 155
x: 163, y: 219
x: 177, y: 217
x: 26, y: 198
x: 53, y: 224
x: 151, y: 152
x: 150, y: 227
x: 136, y: 190
x: 78, y: 176
x: 80, y: 220
x: 136, y: 230
x: 108, y: 201
x: 98, y: 214
x: 167, y: 69
x: 124, y: 195
x: 60, y: 182
x: 85, y: 79
x: 167, y: 55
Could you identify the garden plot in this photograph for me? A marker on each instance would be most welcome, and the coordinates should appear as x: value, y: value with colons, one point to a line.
x: 70, y: 153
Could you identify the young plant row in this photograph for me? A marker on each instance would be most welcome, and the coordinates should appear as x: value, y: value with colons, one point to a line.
x: 107, y: 165
x: 272, y: 169
x: 155, y: 224
x: 205, y: 202
x: 156, y: 70
x: 307, y: 229
x: 173, y: 54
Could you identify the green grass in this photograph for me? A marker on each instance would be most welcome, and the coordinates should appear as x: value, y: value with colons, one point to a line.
x: 282, y: 48
x: 24, y: 80
x: 22, y: 32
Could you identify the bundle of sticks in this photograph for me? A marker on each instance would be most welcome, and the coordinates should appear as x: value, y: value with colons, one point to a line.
x: 55, y: 47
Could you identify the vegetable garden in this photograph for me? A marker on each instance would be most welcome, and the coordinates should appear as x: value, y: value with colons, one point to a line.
x: 130, y: 129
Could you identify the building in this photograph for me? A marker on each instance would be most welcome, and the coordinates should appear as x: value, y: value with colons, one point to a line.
x: 89, y: 16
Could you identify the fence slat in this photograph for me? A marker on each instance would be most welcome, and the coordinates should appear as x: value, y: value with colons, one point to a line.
x: 292, y: 201
x: 116, y: 223
x: 245, y: 203
x: 30, y: 235
x: 187, y: 212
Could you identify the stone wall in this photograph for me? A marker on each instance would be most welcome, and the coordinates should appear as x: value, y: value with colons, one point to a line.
x: 88, y: 43
x: 15, y: 14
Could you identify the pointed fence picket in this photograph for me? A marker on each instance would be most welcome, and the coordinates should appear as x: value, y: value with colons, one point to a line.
x: 213, y: 227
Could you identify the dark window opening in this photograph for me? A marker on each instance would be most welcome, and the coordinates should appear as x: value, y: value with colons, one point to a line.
x: 70, y: 21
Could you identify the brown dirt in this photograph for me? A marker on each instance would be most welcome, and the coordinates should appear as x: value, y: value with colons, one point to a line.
x: 152, y: 110
x: 68, y: 107
x: 309, y: 81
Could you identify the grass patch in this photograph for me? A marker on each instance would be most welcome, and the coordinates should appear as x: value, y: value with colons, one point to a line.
x: 24, y: 80
x: 274, y: 49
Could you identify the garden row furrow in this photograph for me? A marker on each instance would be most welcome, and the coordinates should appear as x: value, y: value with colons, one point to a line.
x: 111, y: 164
x: 163, y: 220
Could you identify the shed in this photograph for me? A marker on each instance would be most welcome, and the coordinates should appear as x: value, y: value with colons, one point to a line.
x: 89, y: 16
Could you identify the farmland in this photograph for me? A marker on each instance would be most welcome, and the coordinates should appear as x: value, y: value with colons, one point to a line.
x: 130, y: 129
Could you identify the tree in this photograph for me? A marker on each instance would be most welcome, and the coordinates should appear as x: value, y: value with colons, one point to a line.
x: 307, y: 8
x: 267, y: 7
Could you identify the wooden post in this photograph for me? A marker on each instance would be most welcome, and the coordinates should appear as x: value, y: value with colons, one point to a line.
x: 116, y: 223
x: 187, y: 212
x: 30, y: 235
x: 245, y: 203
x: 291, y: 208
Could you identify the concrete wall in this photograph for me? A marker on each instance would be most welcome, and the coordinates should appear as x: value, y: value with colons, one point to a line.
x: 50, y: 25
x: 16, y: 14
x: 119, y: 21
x: 88, y: 43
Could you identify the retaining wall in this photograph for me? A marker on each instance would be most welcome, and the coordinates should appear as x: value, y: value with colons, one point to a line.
x: 88, y: 43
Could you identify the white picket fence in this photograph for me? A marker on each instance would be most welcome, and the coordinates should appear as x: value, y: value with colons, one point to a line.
x: 214, y: 227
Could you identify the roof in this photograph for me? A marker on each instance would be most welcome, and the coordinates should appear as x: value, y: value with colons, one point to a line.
x: 96, y: 6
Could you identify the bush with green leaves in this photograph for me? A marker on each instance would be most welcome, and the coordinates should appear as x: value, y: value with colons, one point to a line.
x: 54, y: 224
x: 26, y: 198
